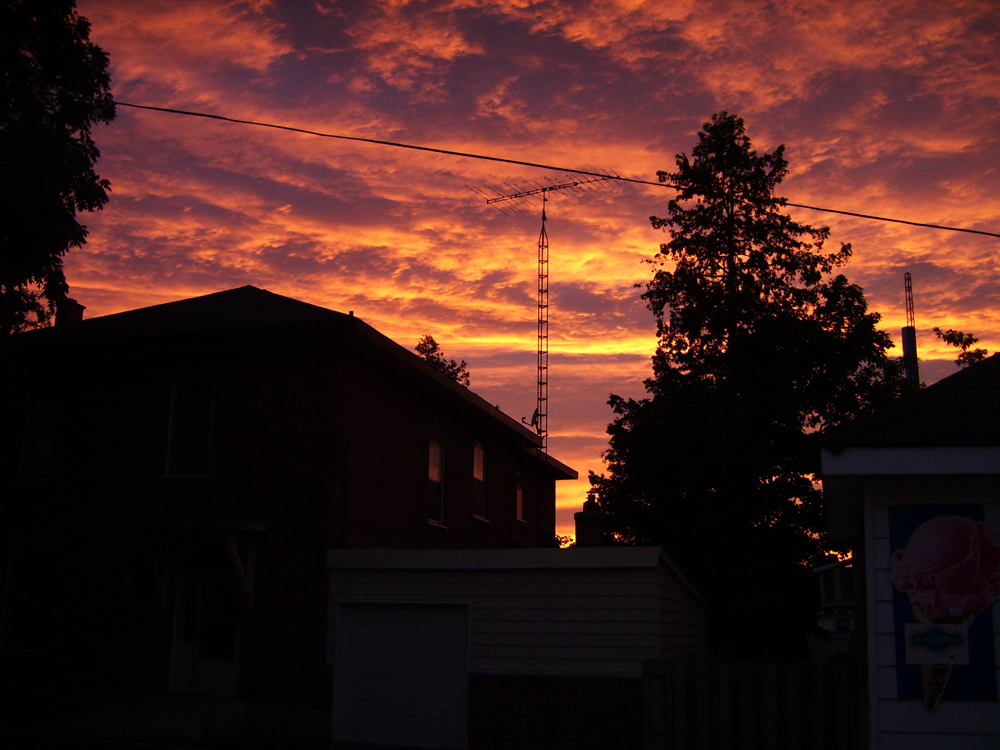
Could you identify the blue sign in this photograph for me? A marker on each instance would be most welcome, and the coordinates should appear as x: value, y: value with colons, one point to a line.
x: 969, y: 646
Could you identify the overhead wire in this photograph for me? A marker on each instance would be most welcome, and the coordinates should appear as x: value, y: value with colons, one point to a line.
x: 522, y: 163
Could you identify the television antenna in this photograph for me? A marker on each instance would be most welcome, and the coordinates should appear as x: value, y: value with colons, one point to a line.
x: 540, y: 419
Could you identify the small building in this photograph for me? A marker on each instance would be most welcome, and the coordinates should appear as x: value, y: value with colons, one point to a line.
x: 175, y: 476
x: 496, y: 649
x: 915, y: 490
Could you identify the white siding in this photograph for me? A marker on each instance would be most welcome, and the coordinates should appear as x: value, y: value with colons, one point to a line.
x: 549, y: 617
x: 683, y: 620
x: 898, y: 724
x: 937, y: 741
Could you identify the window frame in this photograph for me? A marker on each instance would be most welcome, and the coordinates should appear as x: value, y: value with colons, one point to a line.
x: 519, y: 498
x: 188, y: 437
x: 435, y: 487
x: 479, y: 480
x: 41, y: 446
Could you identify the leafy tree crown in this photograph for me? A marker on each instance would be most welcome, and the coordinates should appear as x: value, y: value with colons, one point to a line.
x: 740, y: 285
x: 763, y: 343
x: 431, y: 353
x: 964, y: 341
x: 55, y: 87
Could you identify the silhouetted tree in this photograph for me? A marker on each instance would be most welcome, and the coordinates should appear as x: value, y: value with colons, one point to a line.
x: 428, y: 348
x: 963, y: 341
x: 760, y: 347
x: 55, y: 86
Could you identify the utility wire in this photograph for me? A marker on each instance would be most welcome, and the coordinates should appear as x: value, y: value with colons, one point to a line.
x: 518, y: 162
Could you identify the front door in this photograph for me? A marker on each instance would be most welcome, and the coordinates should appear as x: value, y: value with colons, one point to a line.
x: 211, y: 597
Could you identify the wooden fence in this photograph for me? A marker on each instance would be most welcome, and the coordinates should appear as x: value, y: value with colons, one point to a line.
x: 702, y: 705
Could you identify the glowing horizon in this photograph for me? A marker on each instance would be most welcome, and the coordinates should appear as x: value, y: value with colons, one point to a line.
x: 888, y: 109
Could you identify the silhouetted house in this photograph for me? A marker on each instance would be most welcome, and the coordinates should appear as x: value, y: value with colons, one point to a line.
x: 915, y: 489
x: 175, y: 476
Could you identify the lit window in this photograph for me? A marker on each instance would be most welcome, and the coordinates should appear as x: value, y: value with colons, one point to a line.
x: 478, y: 481
x: 190, y: 428
x: 519, y: 500
x: 435, y: 483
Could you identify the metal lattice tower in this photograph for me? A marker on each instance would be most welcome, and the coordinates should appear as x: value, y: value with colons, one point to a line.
x: 540, y: 419
x: 908, y: 289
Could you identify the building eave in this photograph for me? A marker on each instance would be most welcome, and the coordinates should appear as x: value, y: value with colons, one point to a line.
x: 943, y: 460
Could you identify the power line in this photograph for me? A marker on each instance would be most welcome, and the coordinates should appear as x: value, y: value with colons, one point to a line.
x: 518, y: 162
x: 377, y: 142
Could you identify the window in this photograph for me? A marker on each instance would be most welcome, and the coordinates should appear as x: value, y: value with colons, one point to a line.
x: 40, y: 444
x: 519, y: 499
x: 478, y: 481
x: 29, y: 602
x: 190, y: 428
x: 838, y: 587
x: 435, y: 482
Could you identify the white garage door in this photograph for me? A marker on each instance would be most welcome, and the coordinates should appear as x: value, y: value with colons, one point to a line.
x: 401, y: 674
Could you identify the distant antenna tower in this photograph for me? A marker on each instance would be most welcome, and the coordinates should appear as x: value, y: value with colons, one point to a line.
x: 540, y: 419
x: 910, y: 338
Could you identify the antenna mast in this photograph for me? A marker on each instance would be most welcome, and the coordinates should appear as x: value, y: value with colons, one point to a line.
x: 540, y: 419
x: 910, y: 364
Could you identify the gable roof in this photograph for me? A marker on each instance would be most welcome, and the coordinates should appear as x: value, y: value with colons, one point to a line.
x: 247, y: 308
x: 234, y: 308
x: 962, y: 410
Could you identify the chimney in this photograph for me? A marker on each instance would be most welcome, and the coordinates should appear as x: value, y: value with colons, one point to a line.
x: 68, y: 311
x: 589, y: 525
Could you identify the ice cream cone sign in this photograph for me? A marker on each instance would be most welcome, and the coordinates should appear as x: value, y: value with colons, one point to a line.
x: 950, y: 570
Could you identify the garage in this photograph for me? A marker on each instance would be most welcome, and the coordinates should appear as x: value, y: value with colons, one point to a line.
x: 553, y: 644
x: 401, y: 674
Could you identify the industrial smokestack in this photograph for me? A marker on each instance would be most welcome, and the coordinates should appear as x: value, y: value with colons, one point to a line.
x: 910, y: 367
x: 589, y: 525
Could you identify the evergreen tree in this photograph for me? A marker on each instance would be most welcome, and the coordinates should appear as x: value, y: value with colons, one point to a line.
x: 761, y: 346
x: 55, y: 87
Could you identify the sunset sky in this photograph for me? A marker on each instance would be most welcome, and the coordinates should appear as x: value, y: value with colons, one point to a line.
x: 889, y: 108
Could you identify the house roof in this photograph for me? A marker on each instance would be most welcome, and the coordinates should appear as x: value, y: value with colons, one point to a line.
x: 603, y: 558
x: 960, y: 411
x: 470, y: 559
x: 234, y: 308
x: 247, y: 308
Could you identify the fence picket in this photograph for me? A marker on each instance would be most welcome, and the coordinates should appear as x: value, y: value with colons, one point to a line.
x: 700, y: 704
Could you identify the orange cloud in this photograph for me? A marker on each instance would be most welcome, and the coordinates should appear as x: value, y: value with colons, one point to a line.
x: 885, y: 109
x: 180, y: 45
